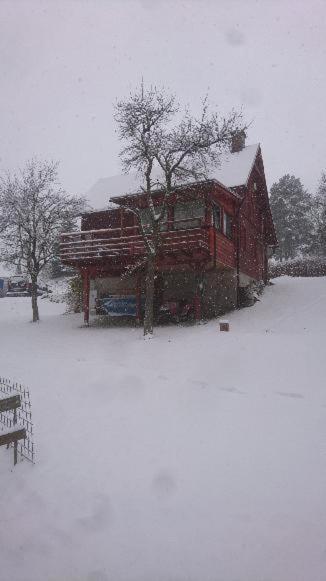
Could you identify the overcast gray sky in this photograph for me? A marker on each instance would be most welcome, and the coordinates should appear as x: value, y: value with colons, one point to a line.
x: 65, y: 62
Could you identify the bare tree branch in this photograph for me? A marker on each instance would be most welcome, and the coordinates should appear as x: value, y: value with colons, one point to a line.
x: 33, y: 212
x: 181, y: 149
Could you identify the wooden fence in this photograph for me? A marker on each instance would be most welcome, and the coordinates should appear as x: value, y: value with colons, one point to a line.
x: 18, y: 414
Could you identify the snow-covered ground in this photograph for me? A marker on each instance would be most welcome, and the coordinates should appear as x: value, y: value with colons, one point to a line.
x: 198, y: 455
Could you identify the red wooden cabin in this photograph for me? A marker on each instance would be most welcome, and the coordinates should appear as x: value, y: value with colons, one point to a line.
x: 216, y: 238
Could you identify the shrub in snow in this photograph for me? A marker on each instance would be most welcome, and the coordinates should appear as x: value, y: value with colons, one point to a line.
x: 74, y: 295
x: 304, y: 266
x: 249, y: 295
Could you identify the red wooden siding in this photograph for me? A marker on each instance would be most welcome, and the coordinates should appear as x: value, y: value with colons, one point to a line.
x: 225, y: 250
x: 110, y: 240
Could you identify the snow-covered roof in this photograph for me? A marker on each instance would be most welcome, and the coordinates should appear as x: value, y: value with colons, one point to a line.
x: 236, y: 167
x: 106, y: 188
x: 234, y: 170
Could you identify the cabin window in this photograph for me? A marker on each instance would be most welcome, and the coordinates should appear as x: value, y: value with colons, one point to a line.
x: 227, y: 225
x: 127, y: 219
x: 188, y: 215
x: 164, y: 219
x: 146, y: 219
x: 217, y: 216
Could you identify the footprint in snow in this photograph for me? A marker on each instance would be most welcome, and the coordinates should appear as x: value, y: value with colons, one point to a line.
x: 292, y: 395
x: 97, y: 576
x: 201, y: 384
x: 163, y: 485
x: 99, y: 517
x: 232, y: 390
x: 131, y: 386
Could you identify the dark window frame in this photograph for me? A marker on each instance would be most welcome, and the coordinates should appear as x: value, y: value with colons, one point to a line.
x: 192, y: 221
x: 227, y: 225
x: 217, y: 210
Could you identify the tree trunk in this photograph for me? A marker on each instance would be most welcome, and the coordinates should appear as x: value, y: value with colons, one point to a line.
x: 34, y: 300
x: 149, y: 297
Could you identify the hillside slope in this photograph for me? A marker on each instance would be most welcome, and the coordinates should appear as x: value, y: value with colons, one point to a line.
x: 197, y: 455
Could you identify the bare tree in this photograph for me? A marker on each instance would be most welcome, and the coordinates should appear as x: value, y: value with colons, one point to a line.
x: 33, y: 211
x: 167, y: 149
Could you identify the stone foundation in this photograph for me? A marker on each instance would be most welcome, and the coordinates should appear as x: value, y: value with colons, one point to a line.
x: 219, y: 292
x: 217, y: 289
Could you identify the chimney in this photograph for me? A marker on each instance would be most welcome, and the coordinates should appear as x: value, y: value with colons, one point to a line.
x: 238, y: 140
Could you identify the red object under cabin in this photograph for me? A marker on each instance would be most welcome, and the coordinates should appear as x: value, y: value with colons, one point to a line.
x: 216, y: 237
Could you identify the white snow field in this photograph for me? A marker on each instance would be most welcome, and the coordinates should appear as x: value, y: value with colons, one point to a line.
x: 197, y: 456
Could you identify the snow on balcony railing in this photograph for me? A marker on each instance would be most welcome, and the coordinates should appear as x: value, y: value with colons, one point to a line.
x: 113, y: 243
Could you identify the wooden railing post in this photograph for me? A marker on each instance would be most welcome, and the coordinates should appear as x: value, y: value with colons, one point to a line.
x: 197, y: 306
x: 86, y: 285
x: 87, y: 246
x: 138, y: 298
x: 15, y: 443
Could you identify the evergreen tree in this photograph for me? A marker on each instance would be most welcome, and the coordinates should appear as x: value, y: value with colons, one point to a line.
x: 291, y: 208
x: 320, y: 217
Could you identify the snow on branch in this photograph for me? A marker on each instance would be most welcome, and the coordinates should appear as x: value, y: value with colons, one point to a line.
x: 34, y: 210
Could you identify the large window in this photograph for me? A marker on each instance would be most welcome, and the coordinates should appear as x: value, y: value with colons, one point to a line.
x: 188, y: 215
x: 146, y: 219
x: 227, y: 225
x: 164, y: 219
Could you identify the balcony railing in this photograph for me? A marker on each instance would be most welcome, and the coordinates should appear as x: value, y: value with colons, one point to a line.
x: 187, y: 237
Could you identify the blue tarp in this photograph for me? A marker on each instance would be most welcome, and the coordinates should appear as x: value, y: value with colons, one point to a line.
x: 119, y: 306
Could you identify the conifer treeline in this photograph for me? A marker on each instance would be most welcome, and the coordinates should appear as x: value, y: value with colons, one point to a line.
x: 299, y: 218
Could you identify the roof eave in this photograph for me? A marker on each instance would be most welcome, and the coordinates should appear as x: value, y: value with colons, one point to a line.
x: 126, y: 197
x: 252, y: 165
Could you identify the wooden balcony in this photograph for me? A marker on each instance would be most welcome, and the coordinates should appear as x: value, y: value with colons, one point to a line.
x: 189, y: 238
